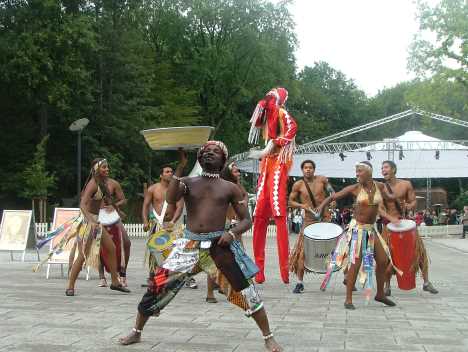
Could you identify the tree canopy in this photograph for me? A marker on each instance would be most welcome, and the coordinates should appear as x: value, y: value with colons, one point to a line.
x: 133, y: 65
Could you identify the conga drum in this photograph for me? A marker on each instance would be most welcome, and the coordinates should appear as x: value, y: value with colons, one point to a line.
x: 403, y: 244
x: 319, y: 242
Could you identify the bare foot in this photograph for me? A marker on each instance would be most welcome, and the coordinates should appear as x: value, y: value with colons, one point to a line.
x: 272, y: 346
x: 133, y: 337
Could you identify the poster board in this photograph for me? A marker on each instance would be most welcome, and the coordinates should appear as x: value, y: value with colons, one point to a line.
x: 62, y: 215
x: 17, y: 231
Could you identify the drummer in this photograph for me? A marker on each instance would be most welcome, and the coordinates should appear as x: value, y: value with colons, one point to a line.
x: 363, y: 243
x: 306, y: 194
x: 154, y: 205
x: 405, y: 201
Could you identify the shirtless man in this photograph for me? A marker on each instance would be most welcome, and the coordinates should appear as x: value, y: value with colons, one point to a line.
x: 318, y: 185
x: 155, y: 197
x: 403, y: 191
x: 206, y: 242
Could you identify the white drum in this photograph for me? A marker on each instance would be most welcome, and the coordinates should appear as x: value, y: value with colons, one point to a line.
x: 108, y: 218
x: 319, y: 242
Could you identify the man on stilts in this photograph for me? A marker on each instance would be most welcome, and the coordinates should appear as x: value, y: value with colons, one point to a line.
x: 278, y: 129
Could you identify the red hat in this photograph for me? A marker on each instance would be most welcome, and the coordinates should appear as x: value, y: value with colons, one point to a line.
x: 267, y: 112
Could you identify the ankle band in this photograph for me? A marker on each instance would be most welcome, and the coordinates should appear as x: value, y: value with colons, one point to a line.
x: 269, y: 336
x: 137, y: 331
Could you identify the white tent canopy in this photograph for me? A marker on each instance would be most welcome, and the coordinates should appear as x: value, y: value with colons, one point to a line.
x: 419, y: 161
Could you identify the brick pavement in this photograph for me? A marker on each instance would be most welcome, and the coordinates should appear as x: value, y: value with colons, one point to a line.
x: 36, y: 316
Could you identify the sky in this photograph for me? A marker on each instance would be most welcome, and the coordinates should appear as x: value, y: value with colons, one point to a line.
x: 367, y: 40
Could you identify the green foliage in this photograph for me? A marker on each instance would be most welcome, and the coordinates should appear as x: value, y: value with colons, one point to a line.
x: 461, y: 201
x: 326, y: 101
x: 441, y: 46
x: 134, y: 65
x: 36, y: 180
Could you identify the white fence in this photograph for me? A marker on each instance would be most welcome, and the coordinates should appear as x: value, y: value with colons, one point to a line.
x: 440, y: 231
x: 136, y: 230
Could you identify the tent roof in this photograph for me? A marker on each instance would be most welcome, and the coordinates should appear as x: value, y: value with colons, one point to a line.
x: 418, y: 161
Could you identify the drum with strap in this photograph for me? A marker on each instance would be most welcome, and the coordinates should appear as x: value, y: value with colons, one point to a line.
x: 319, y: 242
x: 403, y: 244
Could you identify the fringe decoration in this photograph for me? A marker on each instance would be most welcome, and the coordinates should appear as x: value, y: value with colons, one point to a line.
x: 93, y: 259
x: 421, y: 259
x: 337, y: 259
x: 348, y: 248
x: 287, y: 152
x: 255, y: 131
x: 52, y: 234
x: 76, y: 226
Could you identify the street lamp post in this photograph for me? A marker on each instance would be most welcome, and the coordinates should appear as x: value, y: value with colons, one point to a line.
x: 78, y: 126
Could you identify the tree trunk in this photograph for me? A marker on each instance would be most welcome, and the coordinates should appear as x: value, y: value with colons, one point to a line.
x: 32, y: 208
x: 43, y: 120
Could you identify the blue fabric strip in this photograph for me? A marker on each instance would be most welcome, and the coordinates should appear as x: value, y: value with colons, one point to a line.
x: 246, y: 264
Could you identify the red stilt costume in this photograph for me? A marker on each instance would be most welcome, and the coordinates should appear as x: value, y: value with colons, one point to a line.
x: 278, y: 129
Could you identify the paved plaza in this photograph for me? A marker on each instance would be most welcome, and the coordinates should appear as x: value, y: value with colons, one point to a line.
x: 35, y: 314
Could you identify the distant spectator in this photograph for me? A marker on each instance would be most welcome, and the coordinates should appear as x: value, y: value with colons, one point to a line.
x: 443, y: 217
x: 419, y: 218
x: 435, y: 218
x: 297, y: 222
x: 428, y: 218
x: 452, y: 219
x: 465, y: 221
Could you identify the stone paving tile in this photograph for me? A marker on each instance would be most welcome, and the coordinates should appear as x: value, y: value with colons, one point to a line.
x: 36, y: 316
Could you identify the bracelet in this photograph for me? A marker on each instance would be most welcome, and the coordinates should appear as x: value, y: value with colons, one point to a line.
x: 232, y: 235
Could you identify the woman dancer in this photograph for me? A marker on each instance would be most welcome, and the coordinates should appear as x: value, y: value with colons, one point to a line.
x: 362, y: 242
x: 91, y: 235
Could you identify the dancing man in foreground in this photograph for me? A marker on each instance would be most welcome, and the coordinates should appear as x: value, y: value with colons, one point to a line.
x: 206, y: 246
x: 405, y: 201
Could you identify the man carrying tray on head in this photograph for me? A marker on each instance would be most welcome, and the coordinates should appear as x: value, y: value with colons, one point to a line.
x: 311, y: 192
x: 206, y: 245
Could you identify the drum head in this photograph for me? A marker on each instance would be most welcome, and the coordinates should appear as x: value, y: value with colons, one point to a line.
x: 403, y: 226
x: 160, y: 241
x: 323, y: 231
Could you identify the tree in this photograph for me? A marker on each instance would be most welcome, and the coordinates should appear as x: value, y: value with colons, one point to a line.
x: 37, y: 181
x: 326, y: 101
x: 446, y: 50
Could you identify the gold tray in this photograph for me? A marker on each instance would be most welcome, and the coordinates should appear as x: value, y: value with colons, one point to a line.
x: 173, y: 138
